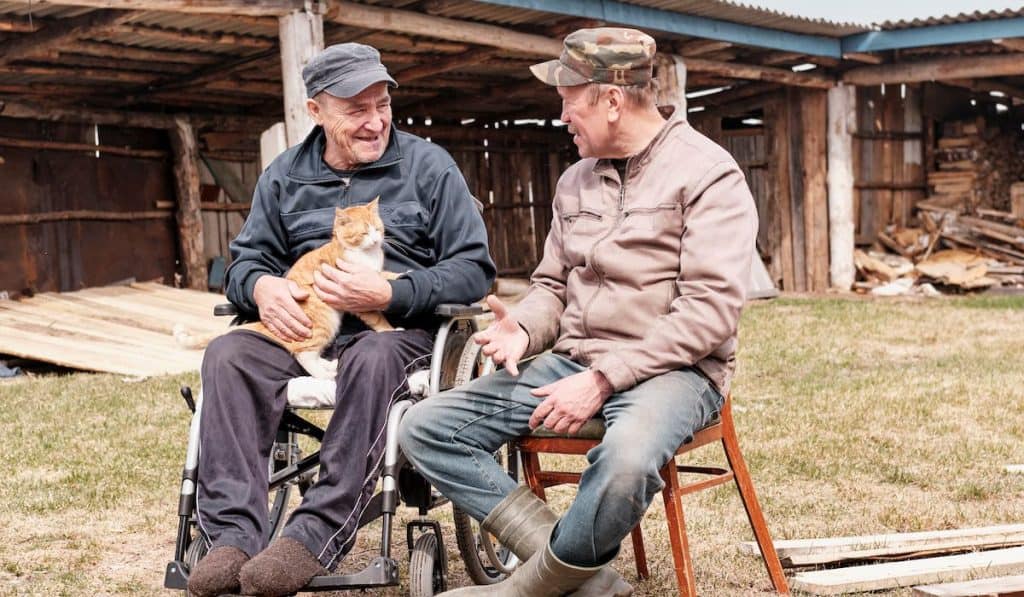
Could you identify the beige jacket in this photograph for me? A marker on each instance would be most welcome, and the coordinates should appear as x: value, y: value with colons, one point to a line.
x: 648, y: 276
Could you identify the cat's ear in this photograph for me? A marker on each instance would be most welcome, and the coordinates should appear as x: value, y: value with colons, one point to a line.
x: 373, y: 204
x: 340, y: 217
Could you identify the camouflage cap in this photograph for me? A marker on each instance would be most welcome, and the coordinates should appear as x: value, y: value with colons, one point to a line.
x: 614, y: 55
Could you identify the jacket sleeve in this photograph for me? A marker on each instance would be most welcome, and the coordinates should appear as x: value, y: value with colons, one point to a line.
x: 260, y: 247
x: 464, y: 271
x: 540, y: 311
x: 719, y: 232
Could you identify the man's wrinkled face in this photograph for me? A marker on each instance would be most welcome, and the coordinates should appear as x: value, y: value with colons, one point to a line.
x: 358, y: 127
x: 587, y: 121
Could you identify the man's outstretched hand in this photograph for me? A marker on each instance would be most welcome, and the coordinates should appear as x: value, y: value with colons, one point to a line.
x: 504, y: 340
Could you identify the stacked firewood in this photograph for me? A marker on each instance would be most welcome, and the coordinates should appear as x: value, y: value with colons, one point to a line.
x: 971, y: 233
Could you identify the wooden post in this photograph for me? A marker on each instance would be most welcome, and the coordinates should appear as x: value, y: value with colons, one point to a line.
x: 273, y: 141
x: 813, y: 112
x: 302, y: 36
x: 190, y: 222
x: 842, y: 119
x: 671, y: 74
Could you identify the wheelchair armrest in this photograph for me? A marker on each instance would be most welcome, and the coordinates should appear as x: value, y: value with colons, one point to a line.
x: 225, y: 309
x: 453, y: 310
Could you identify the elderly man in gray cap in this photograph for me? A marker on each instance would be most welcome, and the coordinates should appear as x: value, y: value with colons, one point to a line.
x: 638, y: 295
x: 436, y: 238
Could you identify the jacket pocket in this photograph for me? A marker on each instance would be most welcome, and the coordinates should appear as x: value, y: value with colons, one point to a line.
x: 403, y: 215
x: 656, y: 217
x: 311, y: 223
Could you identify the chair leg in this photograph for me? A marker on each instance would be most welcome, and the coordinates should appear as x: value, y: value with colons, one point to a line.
x: 531, y: 467
x: 677, y: 530
x: 640, y: 553
x: 750, y: 503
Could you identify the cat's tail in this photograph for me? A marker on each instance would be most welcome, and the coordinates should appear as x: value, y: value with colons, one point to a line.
x: 187, y: 339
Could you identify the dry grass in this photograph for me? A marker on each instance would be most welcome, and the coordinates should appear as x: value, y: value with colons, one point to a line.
x: 855, y: 416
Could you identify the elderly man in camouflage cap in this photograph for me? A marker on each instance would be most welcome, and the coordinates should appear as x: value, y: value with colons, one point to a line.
x: 638, y: 295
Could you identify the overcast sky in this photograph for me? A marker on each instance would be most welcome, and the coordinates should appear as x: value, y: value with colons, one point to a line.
x: 878, y: 11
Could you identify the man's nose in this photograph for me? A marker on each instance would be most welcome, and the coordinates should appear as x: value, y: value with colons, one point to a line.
x: 376, y: 121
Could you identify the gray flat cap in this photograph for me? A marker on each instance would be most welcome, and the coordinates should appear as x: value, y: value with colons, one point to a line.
x: 344, y: 70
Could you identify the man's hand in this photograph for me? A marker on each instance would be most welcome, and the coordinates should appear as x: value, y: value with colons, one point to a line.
x: 352, y: 287
x: 504, y: 341
x: 571, y: 401
x: 278, y: 301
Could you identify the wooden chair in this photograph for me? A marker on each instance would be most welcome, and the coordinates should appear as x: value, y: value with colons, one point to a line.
x: 543, y: 441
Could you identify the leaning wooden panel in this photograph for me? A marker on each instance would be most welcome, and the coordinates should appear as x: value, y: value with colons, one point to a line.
x: 877, y: 577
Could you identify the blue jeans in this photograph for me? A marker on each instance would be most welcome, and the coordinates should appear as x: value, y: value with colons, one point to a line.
x: 451, y: 438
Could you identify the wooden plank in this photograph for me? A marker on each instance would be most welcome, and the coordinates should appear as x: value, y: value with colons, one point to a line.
x: 1006, y: 586
x: 876, y: 577
x: 805, y: 552
x: 842, y: 125
x: 56, y: 33
x: 947, y: 67
x: 777, y: 120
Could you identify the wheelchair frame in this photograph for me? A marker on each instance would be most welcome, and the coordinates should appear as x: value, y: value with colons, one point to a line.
x: 455, y: 360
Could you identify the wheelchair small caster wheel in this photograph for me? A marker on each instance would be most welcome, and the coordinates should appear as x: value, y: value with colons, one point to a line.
x: 426, y: 570
x: 195, y: 552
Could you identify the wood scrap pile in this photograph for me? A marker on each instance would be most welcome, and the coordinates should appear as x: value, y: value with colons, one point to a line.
x: 967, y: 240
x: 838, y: 565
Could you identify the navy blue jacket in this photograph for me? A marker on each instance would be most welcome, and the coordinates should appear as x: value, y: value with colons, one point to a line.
x: 435, y: 229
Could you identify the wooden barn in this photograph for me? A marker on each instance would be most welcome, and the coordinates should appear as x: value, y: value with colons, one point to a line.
x: 132, y: 131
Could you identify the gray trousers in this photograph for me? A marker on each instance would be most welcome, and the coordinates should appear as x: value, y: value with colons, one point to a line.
x: 245, y: 377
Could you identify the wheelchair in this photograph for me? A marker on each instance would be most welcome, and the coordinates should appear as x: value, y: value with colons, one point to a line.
x: 455, y: 361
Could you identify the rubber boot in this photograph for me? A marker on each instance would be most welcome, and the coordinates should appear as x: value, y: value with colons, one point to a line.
x: 543, y: 575
x: 522, y: 522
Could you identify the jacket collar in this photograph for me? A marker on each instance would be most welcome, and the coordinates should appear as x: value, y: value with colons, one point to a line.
x: 308, y: 165
x: 604, y: 166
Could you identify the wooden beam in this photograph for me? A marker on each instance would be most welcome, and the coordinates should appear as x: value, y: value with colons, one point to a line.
x: 112, y: 50
x: 62, y: 113
x: 193, y: 37
x: 863, y: 57
x: 776, y: 58
x: 414, y: 23
x: 758, y: 73
x: 699, y: 47
x: 953, y: 67
x: 842, y: 124
x: 83, y: 214
x: 72, y: 74
x: 62, y: 146
x: 190, y: 221
x: 1011, y: 43
x: 222, y: 7
x: 16, y: 25
x: 59, y: 32
x: 434, y: 67
x: 302, y: 37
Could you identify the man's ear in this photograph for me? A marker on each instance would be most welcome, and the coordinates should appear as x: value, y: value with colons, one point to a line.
x: 616, y: 101
x: 314, y: 110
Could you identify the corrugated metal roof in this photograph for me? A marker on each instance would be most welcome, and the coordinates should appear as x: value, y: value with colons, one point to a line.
x: 963, y: 17
x: 739, y: 12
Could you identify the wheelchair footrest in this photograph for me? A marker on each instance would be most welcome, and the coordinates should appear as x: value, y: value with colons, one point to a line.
x: 381, y: 572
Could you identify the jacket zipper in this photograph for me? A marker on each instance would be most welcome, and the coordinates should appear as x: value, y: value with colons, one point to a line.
x: 593, y: 250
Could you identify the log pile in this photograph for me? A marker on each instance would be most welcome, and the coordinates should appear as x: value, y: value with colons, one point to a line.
x: 971, y: 233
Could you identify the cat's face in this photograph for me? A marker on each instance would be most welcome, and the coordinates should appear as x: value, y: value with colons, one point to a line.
x: 359, y: 226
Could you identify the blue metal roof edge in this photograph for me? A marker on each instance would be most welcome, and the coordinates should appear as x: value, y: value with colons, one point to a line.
x: 654, y: 19
x: 933, y: 35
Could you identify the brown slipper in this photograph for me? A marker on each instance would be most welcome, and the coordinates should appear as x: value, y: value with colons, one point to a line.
x: 281, y: 569
x: 217, y: 573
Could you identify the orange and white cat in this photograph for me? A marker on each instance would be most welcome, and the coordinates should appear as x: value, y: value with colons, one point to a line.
x: 358, y: 237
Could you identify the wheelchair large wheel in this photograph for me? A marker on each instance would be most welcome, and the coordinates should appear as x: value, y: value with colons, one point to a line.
x: 196, y: 551
x: 426, y: 571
